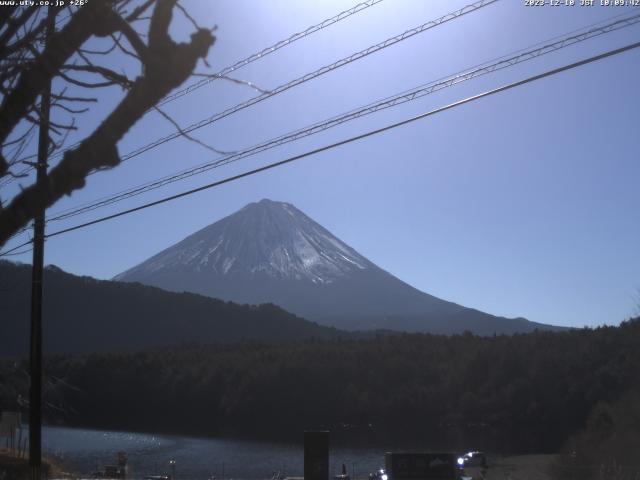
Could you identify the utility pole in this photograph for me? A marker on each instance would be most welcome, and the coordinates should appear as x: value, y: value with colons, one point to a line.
x: 35, y: 366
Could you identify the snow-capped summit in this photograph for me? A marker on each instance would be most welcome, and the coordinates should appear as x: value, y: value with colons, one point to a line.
x: 271, y: 252
x: 273, y: 238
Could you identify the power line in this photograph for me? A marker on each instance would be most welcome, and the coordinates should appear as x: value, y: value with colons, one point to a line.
x: 370, y: 133
x: 303, y: 79
x: 312, y: 75
x: 9, y: 252
x: 268, y: 50
x: 309, y: 76
x: 236, y: 66
x: 26, y: 250
x: 344, y: 142
x: 409, y: 95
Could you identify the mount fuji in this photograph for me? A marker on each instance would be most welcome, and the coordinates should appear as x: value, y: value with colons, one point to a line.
x: 271, y: 252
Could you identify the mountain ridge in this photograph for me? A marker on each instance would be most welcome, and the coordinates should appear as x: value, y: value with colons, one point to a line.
x: 300, y: 253
x: 270, y: 251
x: 82, y: 314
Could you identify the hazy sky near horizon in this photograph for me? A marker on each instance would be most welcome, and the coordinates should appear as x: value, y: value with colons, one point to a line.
x: 521, y: 204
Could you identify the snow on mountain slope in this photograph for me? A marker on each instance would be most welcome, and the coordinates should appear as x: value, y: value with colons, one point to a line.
x: 267, y: 237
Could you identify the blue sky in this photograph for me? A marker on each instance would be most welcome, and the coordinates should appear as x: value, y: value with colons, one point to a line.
x: 521, y: 204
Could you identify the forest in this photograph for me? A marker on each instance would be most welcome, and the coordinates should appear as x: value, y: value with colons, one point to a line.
x: 535, y: 392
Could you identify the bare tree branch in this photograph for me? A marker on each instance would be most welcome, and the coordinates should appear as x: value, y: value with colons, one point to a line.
x: 6, y: 13
x: 188, y: 16
x: 80, y: 83
x: 98, y: 52
x: 188, y: 136
x: 62, y: 96
x: 166, y: 65
x: 108, y: 74
x: 74, y: 111
x: 53, y: 145
x: 135, y: 15
x: 14, y: 24
x: 125, y: 50
x: 20, y: 138
x: 30, y: 36
x: 60, y: 47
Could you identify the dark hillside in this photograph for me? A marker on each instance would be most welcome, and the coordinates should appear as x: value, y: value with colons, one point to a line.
x: 82, y: 314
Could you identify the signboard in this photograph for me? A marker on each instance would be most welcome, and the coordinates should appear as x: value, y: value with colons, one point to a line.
x: 421, y: 466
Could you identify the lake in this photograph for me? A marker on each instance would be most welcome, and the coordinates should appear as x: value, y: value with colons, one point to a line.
x: 85, y: 451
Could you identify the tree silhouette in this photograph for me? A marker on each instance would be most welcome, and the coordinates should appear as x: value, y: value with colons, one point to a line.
x: 28, y: 60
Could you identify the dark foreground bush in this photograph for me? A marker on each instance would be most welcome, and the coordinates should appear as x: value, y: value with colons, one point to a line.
x: 608, y: 448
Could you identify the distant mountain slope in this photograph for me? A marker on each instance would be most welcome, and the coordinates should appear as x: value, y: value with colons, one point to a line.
x: 82, y: 314
x: 272, y: 252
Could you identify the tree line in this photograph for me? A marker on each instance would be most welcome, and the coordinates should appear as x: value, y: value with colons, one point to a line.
x: 526, y: 392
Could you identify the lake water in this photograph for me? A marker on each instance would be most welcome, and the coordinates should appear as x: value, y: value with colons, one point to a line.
x: 86, y: 451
